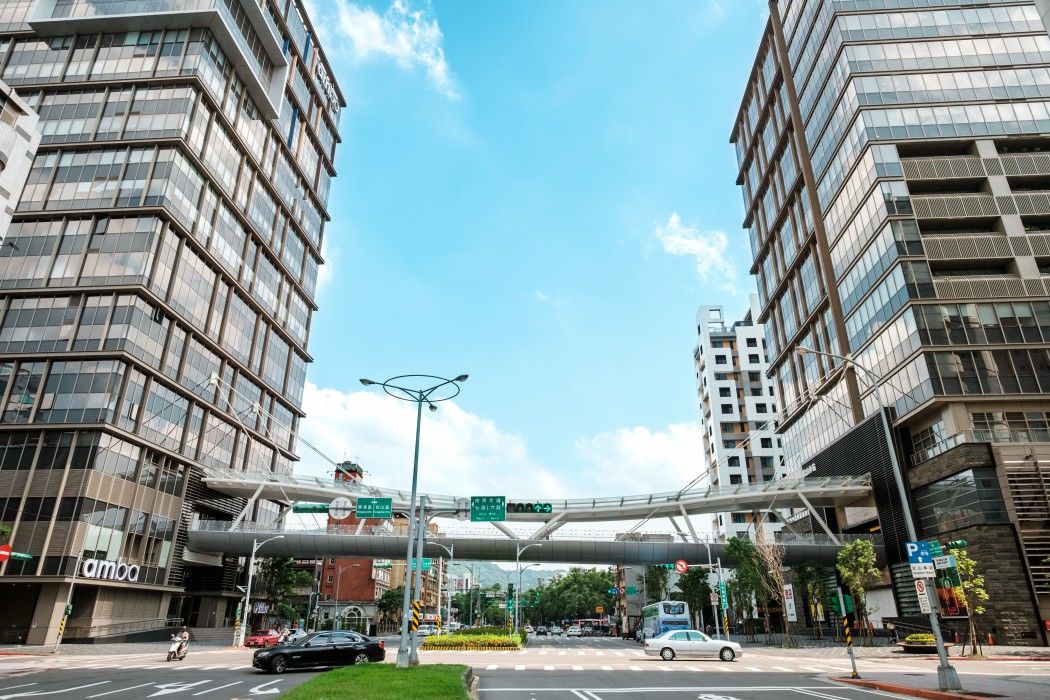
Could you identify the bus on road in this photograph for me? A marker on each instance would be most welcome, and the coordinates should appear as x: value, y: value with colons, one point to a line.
x: 657, y: 618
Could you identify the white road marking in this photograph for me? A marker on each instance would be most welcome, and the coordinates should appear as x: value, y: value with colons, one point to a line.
x: 551, y: 668
x: 121, y: 690
x: 813, y: 668
x: 36, y: 693
x: 618, y: 653
x: 544, y: 651
x: 577, y: 668
x: 563, y: 653
x: 210, y: 690
x: 635, y: 668
x: 790, y: 670
x: 522, y: 668
x: 581, y: 695
x: 755, y: 668
x: 668, y: 668
x: 694, y: 668
x: 607, y: 668
x: 491, y: 667
x: 600, y: 653
x: 24, y: 685
x: 204, y: 668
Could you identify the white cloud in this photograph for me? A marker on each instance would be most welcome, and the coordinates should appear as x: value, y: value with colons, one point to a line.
x: 409, y: 36
x: 545, y: 298
x: 707, y: 247
x: 463, y: 454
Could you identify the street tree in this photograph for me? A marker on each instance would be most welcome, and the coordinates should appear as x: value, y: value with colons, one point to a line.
x: 575, y: 595
x: 281, y: 579
x: 745, y: 586
x: 5, y: 532
x: 656, y: 580
x: 389, y: 604
x: 812, y: 580
x: 974, y: 593
x: 772, y: 555
x: 857, y: 566
x: 694, y: 589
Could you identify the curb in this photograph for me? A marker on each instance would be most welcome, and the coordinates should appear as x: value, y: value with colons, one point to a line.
x: 466, y: 648
x: 908, y: 690
x: 471, y: 682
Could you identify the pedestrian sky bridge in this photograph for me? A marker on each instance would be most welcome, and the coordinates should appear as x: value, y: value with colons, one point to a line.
x: 810, y: 493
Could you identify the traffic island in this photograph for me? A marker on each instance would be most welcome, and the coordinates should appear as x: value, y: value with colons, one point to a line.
x: 387, y: 682
x: 474, y: 641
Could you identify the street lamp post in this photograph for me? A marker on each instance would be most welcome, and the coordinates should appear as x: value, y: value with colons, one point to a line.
x: 338, y: 578
x: 518, y: 549
x: 428, y: 395
x: 947, y: 676
x: 242, y: 629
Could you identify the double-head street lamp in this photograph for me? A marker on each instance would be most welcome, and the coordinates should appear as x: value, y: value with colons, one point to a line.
x: 518, y: 549
x: 434, y: 390
x: 242, y: 629
x: 947, y: 676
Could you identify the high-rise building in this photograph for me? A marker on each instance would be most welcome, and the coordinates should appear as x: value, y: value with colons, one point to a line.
x: 157, y: 283
x: 894, y: 171
x: 19, y: 138
x: 737, y: 412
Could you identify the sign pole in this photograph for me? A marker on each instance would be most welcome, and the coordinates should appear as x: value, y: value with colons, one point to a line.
x: 848, y: 635
x: 69, y: 601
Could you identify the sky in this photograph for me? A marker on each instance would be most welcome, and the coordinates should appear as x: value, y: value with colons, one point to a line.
x: 538, y: 194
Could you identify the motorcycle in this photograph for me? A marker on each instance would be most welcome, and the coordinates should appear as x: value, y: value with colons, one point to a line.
x: 177, y: 650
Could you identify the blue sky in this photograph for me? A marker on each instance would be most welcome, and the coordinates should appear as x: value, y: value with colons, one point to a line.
x: 539, y: 194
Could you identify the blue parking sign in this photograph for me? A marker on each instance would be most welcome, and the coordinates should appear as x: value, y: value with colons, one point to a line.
x: 918, y: 552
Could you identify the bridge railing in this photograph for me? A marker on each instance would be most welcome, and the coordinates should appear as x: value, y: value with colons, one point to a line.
x: 771, y: 488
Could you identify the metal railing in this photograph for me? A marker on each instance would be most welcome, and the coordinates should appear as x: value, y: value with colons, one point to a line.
x: 443, y: 501
x: 972, y: 436
x: 118, y: 628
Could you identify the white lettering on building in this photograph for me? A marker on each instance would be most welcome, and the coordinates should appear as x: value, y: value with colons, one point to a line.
x: 111, y: 570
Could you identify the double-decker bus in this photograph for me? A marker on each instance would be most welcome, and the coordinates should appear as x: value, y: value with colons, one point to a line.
x: 657, y: 618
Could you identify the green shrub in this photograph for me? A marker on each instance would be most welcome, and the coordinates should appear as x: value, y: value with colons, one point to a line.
x: 471, y: 641
x: 920, y: 638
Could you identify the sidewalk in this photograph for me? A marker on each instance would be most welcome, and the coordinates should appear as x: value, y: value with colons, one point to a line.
x: 8, y: 650
x: 1015, y: 687
x: 884, y: 649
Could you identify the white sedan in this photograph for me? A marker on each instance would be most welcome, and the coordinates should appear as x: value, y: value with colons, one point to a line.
x: 690, y: 643
x: 574, y: 631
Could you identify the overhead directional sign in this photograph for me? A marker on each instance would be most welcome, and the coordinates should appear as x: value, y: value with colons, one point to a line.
x: 427, y: 563
x: 375, y: 508
x: 488, y: 509
x: 530, y: 508
x: 310, y: 508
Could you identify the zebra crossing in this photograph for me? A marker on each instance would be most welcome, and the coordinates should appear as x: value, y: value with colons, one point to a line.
x: 701, y: 667
x: 206, y: 661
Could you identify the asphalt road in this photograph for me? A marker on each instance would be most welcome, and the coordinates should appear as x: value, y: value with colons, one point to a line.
x: 665, y: 685
x: 206, y: 674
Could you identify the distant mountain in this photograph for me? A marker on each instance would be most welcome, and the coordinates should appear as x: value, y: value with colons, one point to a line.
x: 487, y: 573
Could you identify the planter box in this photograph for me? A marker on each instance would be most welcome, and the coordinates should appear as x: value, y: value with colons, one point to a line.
x: 922, y: 648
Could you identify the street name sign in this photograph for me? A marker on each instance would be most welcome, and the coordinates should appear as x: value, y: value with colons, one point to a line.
x: 375, y: 508
x: 488, y: 509
x: 427, y: 562
x: 924, y: 597
x: 722, y: 594
x: 310, y: 508
x: 923, y: 570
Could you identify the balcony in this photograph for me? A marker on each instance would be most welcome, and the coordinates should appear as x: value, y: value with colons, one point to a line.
x: 1003, y: 435
x: 990, y: 287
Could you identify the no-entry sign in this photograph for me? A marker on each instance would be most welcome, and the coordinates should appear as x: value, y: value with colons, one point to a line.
x: 681, y: 566
x: 5, y: 552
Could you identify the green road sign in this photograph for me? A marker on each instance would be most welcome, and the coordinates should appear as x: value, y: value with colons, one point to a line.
x: 632, y: 590
x: 488, y: 509
x: 510, y: 604
x: 69, y: 610
x: 722, y: 595
x: 310, y: 508
x: 426, y: 564
x: 375, y: 508
x: 833, y: 602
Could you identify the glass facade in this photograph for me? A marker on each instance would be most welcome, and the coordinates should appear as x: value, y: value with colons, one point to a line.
x: 161, y: 274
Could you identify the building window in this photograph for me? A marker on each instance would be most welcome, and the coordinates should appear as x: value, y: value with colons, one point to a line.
x: 754, y: 376
x: 734, y: 479
x: 752, y: 343
x: 753, y: 359
x: 733, y: 461
x: 741, y: 518
x: 767, y: 443
x: 760, y: 408
x: 720, y: 359
x: 725, y: 392
x: 727, y: 408
x: 331, y: 561
x: 971, y: 497
x: 729, y: 444
x: 330, y: 579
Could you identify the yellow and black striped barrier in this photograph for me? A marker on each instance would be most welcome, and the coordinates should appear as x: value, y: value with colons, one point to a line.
x: 413, y: 624
x: 849, y: 645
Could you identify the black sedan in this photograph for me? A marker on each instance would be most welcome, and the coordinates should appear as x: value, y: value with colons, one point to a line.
x: 320, y: 649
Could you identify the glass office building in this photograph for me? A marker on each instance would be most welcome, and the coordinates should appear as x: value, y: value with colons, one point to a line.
x: 155, y: 302
x: 894, y: 168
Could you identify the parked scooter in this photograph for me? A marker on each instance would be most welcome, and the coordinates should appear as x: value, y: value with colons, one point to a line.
x: 177, y: 650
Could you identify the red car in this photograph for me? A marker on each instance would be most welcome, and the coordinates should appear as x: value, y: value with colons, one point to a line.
x: 262, y: 638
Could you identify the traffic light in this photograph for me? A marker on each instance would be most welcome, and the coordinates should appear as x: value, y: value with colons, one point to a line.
x: 530, y: 508
x: 510, y: 590
x: 833, y: 603
x: 669, y: 567
x: 957, y: 544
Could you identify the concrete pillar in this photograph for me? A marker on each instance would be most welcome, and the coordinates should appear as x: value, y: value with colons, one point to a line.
x: 50, y: 605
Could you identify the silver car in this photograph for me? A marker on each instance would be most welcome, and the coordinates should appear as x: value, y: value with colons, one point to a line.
x: 691, y: 643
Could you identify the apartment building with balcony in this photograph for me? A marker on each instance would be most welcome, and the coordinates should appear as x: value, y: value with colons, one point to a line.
x: 738, y: 412
x: 894, y: 172
x: 157, y: 284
